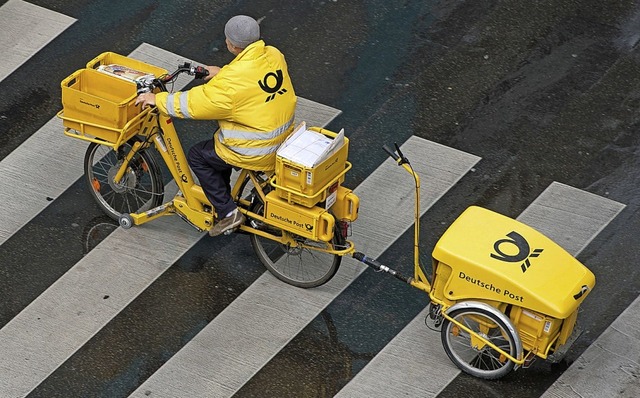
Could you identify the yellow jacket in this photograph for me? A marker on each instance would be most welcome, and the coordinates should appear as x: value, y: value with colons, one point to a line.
x: 253, y: 100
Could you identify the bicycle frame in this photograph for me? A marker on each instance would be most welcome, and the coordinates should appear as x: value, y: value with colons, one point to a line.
x: 168, y: 144
x: 191, y: 204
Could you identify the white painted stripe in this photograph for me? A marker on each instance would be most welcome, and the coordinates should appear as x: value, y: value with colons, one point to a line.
x: 63, y: 318
x: 26, y: 28
x: 40, y: 169
x: 55, y: 325
x: 609, y: 367
x: 266, y: 316
x: 569, y: 216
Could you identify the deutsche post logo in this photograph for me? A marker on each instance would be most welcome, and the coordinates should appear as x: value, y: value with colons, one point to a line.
x: 272, y: 84
x: 524, y: 253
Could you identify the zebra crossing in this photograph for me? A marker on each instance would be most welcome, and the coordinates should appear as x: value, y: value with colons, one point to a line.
x: 239, y: 343
x: 26, y: 29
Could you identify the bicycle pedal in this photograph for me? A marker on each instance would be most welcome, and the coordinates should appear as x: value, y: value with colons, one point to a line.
x: 229, y: 231
x: 255, y: 224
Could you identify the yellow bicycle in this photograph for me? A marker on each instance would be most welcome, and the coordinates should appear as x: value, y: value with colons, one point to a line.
x: 298, y: 217
x: 501, y: 293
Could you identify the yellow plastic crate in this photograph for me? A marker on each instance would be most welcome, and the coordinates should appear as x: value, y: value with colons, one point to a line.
x: 99, y: 107
x: 109, y: 58
x: 307, y: 186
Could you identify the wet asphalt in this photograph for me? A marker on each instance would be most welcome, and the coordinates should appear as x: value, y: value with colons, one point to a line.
x: 542, y: 91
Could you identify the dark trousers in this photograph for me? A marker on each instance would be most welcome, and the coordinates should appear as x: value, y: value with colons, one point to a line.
x: 214, y: 175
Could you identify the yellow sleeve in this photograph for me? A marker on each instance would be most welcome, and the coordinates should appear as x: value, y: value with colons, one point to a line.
x: 207, y: 101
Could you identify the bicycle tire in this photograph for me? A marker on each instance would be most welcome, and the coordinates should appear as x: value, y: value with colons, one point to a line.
x: 141, y: 187
x: 484, y: 363
x: 301, y: 267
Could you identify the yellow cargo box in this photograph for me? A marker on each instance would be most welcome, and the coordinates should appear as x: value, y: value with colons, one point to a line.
x: 494, y: 257
x: 111, y: 58
x: 309, y: 185
x: 314, y: 223
x: 537, y: 331
x: 100, y: 106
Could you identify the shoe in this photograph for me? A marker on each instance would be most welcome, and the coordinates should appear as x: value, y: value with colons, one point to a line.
x: 228, y: 223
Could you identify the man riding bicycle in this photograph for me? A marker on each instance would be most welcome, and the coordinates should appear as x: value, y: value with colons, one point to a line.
x: 253, y: 100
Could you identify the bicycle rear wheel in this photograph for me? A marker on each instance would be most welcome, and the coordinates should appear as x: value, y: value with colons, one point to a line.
x: 140, y: 189
x: 297, y: 266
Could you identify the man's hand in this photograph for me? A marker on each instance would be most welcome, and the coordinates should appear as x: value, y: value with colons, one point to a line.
x: 213, y: 70
x: 146, y: 99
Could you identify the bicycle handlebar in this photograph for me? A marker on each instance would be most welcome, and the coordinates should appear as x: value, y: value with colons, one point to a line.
x: 390, y: 152
x: 398, y: 157
x: 148, y: 85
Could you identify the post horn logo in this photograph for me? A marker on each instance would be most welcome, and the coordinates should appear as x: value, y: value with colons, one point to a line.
x: 524, y: 251
x: 265, y: 84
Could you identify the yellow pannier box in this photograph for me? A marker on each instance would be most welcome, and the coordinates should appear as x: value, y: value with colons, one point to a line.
x: 314, y: 223
x: 304, y: 185
x: 496, y: 258
x: 98, y: 105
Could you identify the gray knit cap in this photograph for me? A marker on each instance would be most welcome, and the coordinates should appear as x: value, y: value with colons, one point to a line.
x: 242, y: 30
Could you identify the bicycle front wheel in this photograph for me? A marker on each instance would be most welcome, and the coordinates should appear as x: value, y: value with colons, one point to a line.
x: 469, y: 353
x: 298, y: 266
x: 140, y: 188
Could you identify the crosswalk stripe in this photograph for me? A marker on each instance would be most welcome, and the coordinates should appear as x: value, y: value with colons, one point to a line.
x: 28, y: 183
x: 21, y: 328
x: 38, y: 171
x: 255, y: 326
x: 569, y: 216
x: 79, y: 304
x: 27, y: 28
x: 609, y: 366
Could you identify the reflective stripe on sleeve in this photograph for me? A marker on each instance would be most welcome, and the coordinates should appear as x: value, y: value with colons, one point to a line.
x: 170, y: 109
x: 184, y: 105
